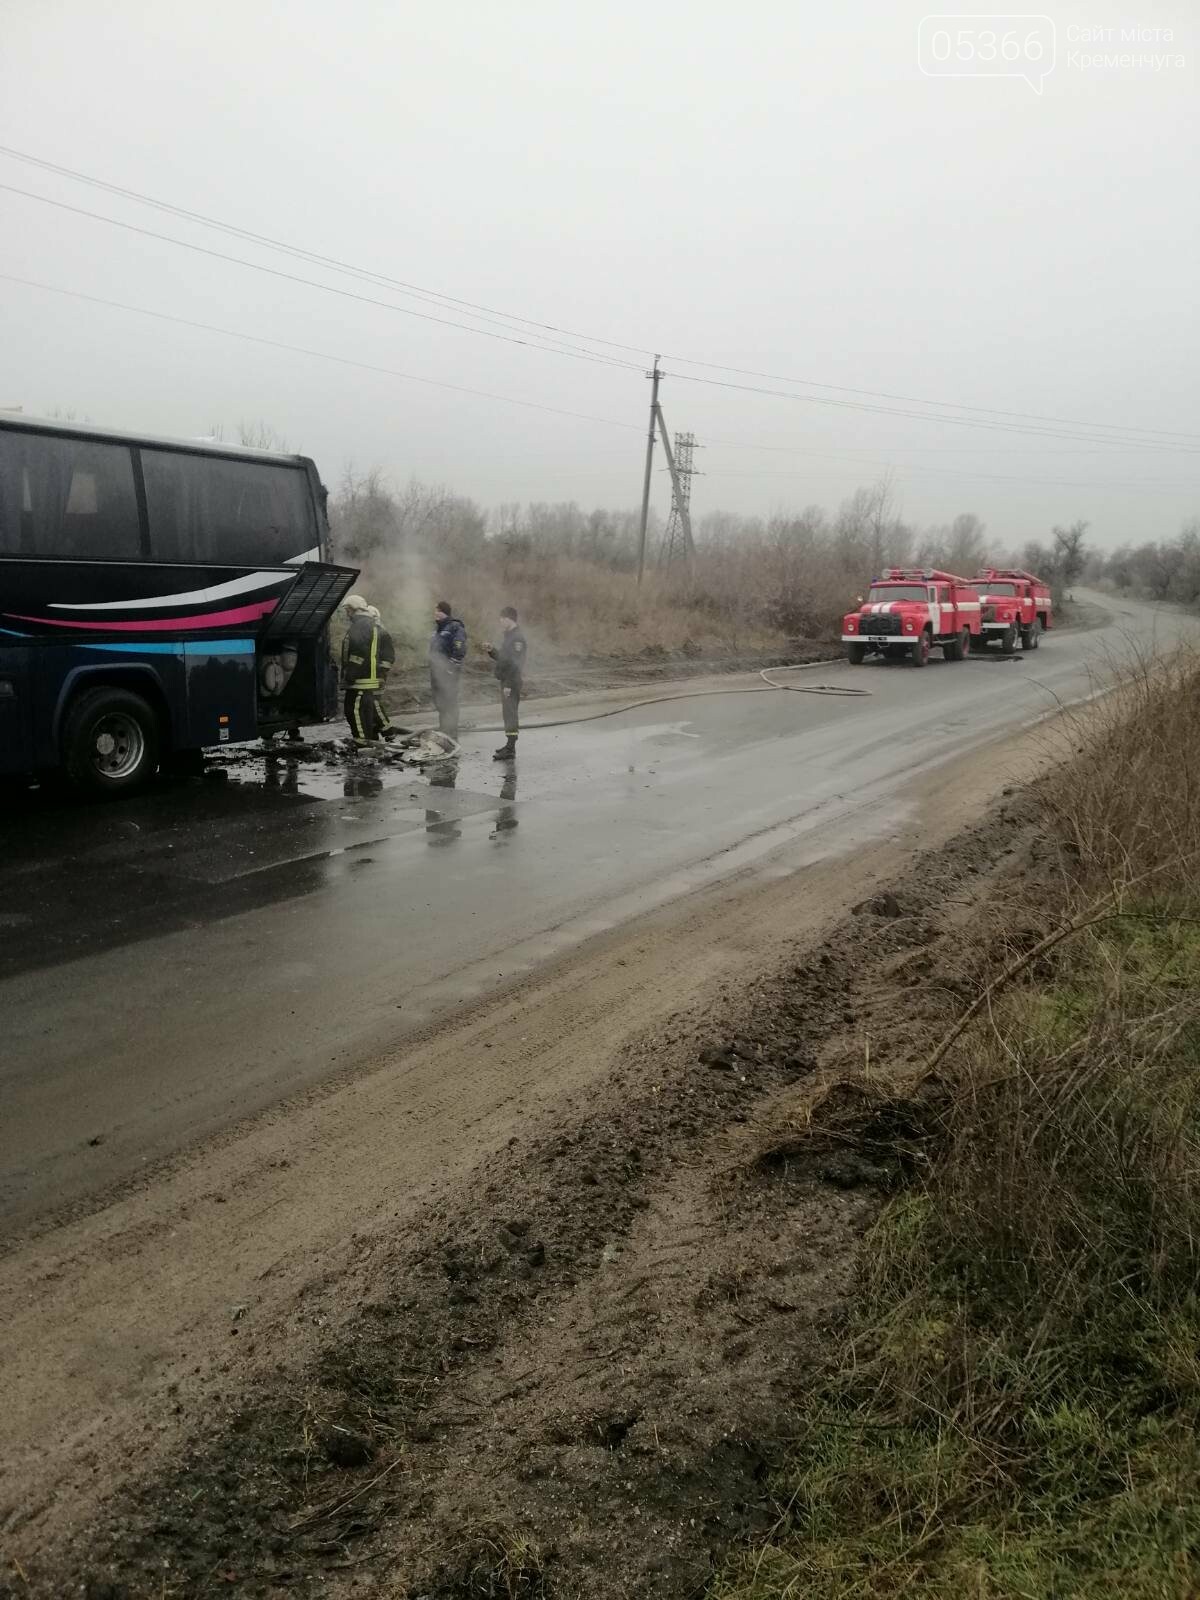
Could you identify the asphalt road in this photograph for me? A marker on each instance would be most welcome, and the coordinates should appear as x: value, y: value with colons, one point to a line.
x: 176, y: 962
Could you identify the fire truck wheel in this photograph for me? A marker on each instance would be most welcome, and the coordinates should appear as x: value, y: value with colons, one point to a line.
x: 855, y: 654
x: 1031, y: 636
x: 920, y: 650
x: 110, y: 741
x: 1008, y: 640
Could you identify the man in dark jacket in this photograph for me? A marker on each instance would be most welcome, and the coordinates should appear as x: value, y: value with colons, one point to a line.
x: 447, y: 652
x: 509, y: 657
x: 367, y: 656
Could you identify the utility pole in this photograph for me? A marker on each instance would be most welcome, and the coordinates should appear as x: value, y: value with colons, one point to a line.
x: 654, y: 376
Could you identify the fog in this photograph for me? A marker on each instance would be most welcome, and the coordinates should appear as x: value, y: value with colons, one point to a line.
x: 776, y: 188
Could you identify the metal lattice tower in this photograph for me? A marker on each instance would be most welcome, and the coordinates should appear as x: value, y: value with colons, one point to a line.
x: 677, y: 540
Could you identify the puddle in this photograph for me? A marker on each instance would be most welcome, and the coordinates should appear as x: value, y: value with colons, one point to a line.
x: 323, y: 771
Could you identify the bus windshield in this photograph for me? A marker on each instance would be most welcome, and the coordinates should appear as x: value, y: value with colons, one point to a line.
x: 898, y: 591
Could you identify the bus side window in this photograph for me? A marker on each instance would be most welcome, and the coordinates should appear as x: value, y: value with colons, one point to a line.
x: 214, y: 509
x: 67, y: 497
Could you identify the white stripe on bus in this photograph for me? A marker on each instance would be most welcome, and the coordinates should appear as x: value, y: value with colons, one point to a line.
x: 218, y: 591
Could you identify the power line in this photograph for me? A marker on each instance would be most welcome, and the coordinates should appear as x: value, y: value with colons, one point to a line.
x: 456, y: 388
x: 904, y: 449
x: 320, y: 355
x: 958, y: 422
x: 1138, y: 486
x: 332, y: 262
x: 489, y: 312
x: 311, y: 283
x: 909, y: 399
x: 873, y: 452
x: 348, y: 294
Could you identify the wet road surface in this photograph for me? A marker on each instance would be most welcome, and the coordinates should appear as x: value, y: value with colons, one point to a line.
x: 175, y: 962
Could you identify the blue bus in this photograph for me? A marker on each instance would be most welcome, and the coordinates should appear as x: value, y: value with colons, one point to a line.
x: 157, y: 597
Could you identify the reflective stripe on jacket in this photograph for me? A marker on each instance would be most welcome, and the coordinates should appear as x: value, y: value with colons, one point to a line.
x: 365, y: 650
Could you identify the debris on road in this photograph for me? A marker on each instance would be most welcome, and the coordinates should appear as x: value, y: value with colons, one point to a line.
x: 411, y: 748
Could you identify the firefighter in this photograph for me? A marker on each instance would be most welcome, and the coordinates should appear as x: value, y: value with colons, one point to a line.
x: 387, y: 660
x: 510, y: 669
x: 447, y: 652
x: 362, y: 659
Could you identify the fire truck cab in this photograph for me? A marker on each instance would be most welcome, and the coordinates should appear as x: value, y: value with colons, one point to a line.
x: 1015, y: 603
x: 907, y: 613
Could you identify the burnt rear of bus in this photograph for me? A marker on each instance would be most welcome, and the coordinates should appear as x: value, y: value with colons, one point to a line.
x: 157, y: 597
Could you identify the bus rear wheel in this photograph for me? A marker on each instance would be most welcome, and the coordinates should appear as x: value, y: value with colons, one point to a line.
x: 111, y: 741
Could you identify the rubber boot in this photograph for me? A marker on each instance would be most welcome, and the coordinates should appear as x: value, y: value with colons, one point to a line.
x: 507, y: 751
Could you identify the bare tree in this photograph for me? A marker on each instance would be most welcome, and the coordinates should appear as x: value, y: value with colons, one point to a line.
x: 1069, y: 553
x: 1187, y: 582
x: 958, y: 546
x: 967, y: 552
x: 260, y: 435
x: 1119, y: 568
x: 1039, y: 559
x: 882, y: 520
x: 363, y: 516
x: 1157, y: 567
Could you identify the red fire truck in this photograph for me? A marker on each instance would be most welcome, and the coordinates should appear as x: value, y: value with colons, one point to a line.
x: 1013, y: 602
x: 907, y: 613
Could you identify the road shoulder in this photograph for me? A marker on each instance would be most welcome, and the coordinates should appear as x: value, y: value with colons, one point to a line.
x: 152, y: 1324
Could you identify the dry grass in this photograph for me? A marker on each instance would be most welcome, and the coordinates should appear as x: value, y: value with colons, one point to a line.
x: 498, y: 1564
x: 1133, y: 806
x: 574, y: 577
x: 1016, y: 1411
x: 755, y: 582
x: 571, y: 609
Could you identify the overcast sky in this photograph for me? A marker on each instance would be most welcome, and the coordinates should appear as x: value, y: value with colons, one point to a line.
x: 772, y: 186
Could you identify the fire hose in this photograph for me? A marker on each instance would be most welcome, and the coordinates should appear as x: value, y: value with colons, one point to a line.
x: 830, y: 689
x: 403, y: 749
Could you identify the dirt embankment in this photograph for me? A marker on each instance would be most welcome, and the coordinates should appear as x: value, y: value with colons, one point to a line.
x: 573, y: 1379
